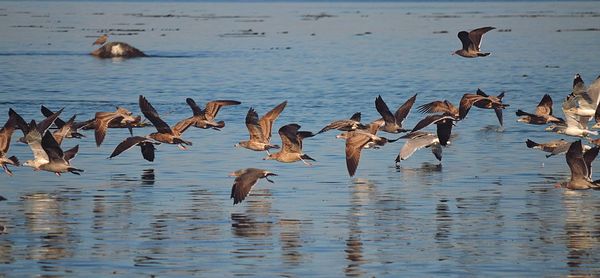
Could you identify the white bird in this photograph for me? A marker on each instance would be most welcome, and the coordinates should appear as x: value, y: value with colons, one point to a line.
x: 418, y: 140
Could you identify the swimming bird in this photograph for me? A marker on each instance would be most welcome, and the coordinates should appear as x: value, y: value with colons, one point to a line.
x: 471, y: 43
x: 356, y: 141
x: 580, y: 164
x: 48, y: 155
x: 345, y: 125
x: 206, y: 118
x: 392, y: 123
x: 5, y: 135
x: 260, y: 130
x: 146, y: 145
x: 244, y: 180
x: 444, y: 125
x: 117, y: 50
x: 101, y: 40
x: 438, y: 106
x: 418, y: 140
x: 291, y: 139
x: 164, y: 134
x: 102, y: 121
x: 543, y: 113
x: 484, y: 101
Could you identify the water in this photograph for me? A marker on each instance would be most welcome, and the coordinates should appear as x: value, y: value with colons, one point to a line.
x: 490, y: 209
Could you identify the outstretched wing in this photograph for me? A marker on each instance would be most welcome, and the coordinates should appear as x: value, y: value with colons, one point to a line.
x: 212, y: 107
x: 242, y: 185
x: 354, y: 145
x: 266, y: 122
x: 384, y: 111
x: 476, y: 35
x: 289, y: 138
x: 151, y: 114
x: 254, y: 128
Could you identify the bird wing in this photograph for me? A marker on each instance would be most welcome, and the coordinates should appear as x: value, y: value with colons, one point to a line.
x: 48, y: 113
x: 476, y: 35
x: 588, y: 158
x: 403, y: 110
x: 466, y: 102
x: 576, y: 162
x: 71, y: 153
x: 289, y: 138
x: 147, y: 149
x: 444, y: 129
x: 266, y: 122
x: 212, y: 107
x: 19, y: 121
x: 127, y: 144
x: 545, y: 106
x: 195, y: 108
x: 383, y: 109
x: 51, y: 147
x: 43, y: 125
x: 356, y: 117
x: 498, y: 111
x: 343, y: 125
x: 64, y: 130
x: 416, y: 143
x: 183, y: 125
x: 34, y: 140
x: 436, y: 149
x: 254, y: 128
x: 102, y: 119
x: 242, y: 185
x: 594, y: 92
x: 354, y: 145
x: 431, y: 119
x: 463, y: 36
x: 6, y: 133
x: 438, y: 106
x: 151, y: 114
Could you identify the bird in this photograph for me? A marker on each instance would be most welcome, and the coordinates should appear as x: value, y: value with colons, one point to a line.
x: 102, y: 121
x: 389, y: 122
x: 260, y: 130
x: 48, y: 155
x: 5, y: 135
x: 345, y: 125
x: 291, y: 139
x: 471, y: 42
x: 482, y: 100
x: 542, y: 115
x: 244, y: 180
x: 574, y: 125
x: 64, y: 131
x: 356, y: 141
x: 146, y: 146
x: 41, y: 127
x: 444, y: 125
x: 583, y: 102
x: 101, y: 40
x: 117, y: 50
x: 206, y: 118
x: 553, y: 147
x: 580, y: 164
x: 597, y: 118
x: 165, y: 134
x: 418, y: 140
x: 439, y: 106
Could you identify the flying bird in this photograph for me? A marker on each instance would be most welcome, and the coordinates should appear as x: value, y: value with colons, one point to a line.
x: 418, y: 140
x: 356, y: 141
x: 542, y: 115
x: 484, y: 101
x: 389, y: 122
x: 580, y: 164
x: 260, y: 130
x: 146, y: 145
x: 244, y: 180
x: 445, y: 107
x: 471, y: 43
x: 165, y: 134
x: 291, y: 150
x: 5, y: 135
x: 48, y: 155
x: 444, y: 125
x: 205, y: 118
x: 345, y: 125
x: 103, y: 120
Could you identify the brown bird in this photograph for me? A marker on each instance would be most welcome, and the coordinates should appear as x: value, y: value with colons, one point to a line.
x: 580, y: 164
x: 543, y: 113
x: 146, y: 146
x: 48, y: 155
x: 260, y: 130
x: 165, y: 134
x: 244, y: 180
x: 444, y: 125
x: 345, y: 125
x: 206, y: 118
x: 117, y: 50
x: 5, y: 135
x: 101, y: 40
x: 103, y: 120
x: 291, y: 139
x: 438, y: 106
x: 356, y: 141
x: 471, y: 43
x: 553, y: 147
x: 73, y: 133
x: 482, y: 100
x: 392, y: 123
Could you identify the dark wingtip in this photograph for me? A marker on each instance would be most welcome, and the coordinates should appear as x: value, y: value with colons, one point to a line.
x: 531, y: 144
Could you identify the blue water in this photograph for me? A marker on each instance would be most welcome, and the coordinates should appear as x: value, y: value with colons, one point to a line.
x: 489, y: 209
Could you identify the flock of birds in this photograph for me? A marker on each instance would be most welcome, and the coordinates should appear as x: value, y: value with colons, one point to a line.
x: 45, y: 143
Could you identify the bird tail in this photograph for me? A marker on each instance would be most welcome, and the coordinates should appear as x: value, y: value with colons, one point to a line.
x: 305, y: 156
x: 531, y: 144
x: 483, y: 54
x: 75, y: 170
x: 521, y: 113
x: 14, y: 160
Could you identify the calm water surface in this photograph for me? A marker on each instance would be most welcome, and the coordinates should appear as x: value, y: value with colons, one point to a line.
x: 489, y: 209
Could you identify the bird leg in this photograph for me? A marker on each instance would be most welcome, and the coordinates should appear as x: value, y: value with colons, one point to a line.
x: 181, y: 147
x: 57, y: 174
